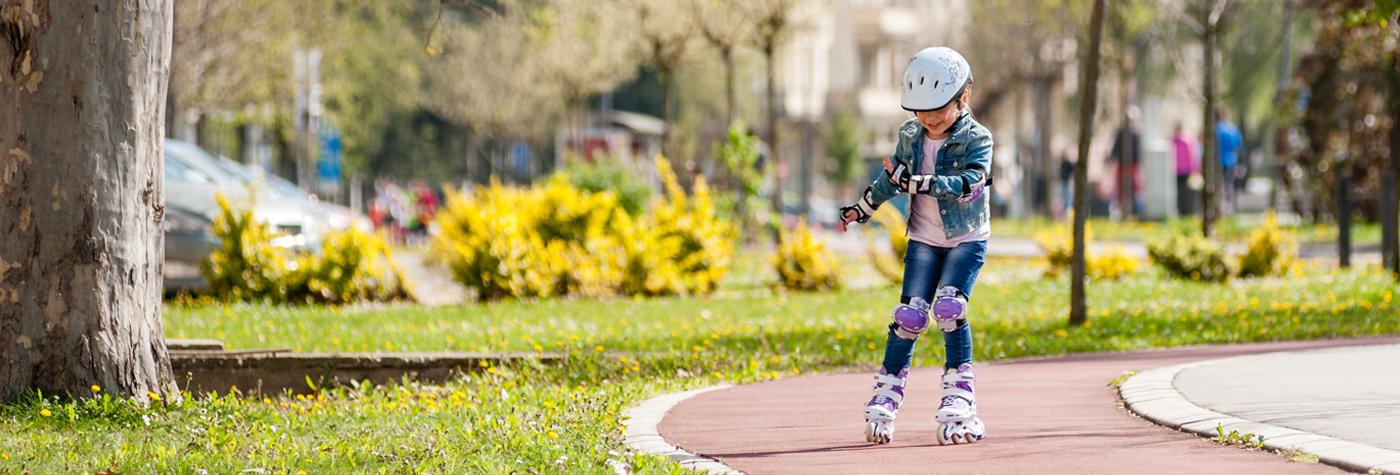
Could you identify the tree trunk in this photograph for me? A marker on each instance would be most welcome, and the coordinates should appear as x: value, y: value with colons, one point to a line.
x: 664, y: 71
x: 1078, y: 312
x: 1045, y: 125
x: 730, y: 114
x: 1126, y: 150
x: 82, y: 197
x: 1391, y: 240
x: 1210, y: 158
x: 774, y: 158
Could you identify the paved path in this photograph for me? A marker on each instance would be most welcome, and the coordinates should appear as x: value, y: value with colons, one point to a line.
x: 431, y: 285
x: 1044, y: 416
x: 1347, y: 393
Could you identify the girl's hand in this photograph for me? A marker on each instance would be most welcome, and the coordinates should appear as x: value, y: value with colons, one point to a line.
x: 889, y: 166
x: 847, y: 217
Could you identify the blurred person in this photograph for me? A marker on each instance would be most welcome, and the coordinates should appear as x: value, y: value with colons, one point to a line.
x: 1187, y: 164
x: 1228, y: 143
x: 1066, y: 183
x: 1128, y: 155
x: 942, y: 159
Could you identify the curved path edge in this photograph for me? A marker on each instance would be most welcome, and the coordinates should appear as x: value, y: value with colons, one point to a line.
x: 1152, y: 395
x: 644, y: 436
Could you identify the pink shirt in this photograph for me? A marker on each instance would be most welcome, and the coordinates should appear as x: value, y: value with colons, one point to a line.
x: 1185, y: 155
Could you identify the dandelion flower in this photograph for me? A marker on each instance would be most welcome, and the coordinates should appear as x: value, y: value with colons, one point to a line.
x: 45, y: 412
x: 96, y: 388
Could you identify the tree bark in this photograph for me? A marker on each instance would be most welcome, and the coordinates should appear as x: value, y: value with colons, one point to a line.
x: 82, y: 197
x: 770, y: 56
x: 1078, y: 311
x: 1210, y: 158
x: 1390, y: 219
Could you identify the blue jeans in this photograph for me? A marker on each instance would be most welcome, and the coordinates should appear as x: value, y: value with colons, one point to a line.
x: 925, y: 266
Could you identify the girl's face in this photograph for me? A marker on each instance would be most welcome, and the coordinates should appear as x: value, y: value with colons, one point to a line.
x: 937, y: 121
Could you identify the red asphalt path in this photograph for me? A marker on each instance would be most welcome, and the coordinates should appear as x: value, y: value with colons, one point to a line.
x: 1043, y: 416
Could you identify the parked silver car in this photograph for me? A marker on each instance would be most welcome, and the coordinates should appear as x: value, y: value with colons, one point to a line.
x: 193, y: 178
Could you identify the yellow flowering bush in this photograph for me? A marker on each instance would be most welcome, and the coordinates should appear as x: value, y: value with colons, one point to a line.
x: 1191, y: 257
x: 804, y: 263
x: 1270, y: 250
x: 353, y: 266
x: 246, y: 266
x: 1058, y: 245
x: 557, y: 240
x: 888, y: 262
x: 1111, y: 265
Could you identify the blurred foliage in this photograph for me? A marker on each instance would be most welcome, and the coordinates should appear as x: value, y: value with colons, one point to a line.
x: 352, y: 266
x: 804, y: 263
x: 1057, y: 242
x: 610, y: 173
x: 1270, y: 250
x: 843, y: 140
x: 888, y: 261
x: 739, y: 154
x: 1337, y: 131
x: 1112, y: 265
x: 246, y: 266
x: 558, y: 240
x: 1191, y: 257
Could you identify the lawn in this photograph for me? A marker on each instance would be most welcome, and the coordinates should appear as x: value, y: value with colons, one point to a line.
x: 569, y: 417
x: 1234, y: 228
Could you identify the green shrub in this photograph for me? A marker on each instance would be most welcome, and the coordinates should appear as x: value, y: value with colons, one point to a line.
x: 557, y: 239
x: 609, y: 173
x: 1270, y: 250
x: 804, y: 263
x: 1191, y: 257
x: 353, y: 266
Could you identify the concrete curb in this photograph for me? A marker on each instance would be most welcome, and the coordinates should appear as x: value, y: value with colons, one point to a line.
x: 643, y: 434
x: 1153, y: 396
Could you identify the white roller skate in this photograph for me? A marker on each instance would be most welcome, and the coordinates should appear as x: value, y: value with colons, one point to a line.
x: 957, y: 413
x: 884, y: 406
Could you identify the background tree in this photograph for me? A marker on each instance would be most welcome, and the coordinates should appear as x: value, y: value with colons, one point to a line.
x: 1128, y: 23
x: 1089, y: 91
x: 484, y: 81
x: 665, y: 30
x: 1034, y: 58
x: 844, y: 164
x: 723, y: 25
x: 583, y: 47
x: 772, y: 20
x: 82, y: 197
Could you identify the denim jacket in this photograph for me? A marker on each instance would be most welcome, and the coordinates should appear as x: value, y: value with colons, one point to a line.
x: 963, y: 165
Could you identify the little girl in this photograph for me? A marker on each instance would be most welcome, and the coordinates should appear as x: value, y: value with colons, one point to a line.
x: 942, y: 160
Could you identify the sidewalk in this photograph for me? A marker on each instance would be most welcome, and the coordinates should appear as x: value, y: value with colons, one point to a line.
x: 1044, y: 416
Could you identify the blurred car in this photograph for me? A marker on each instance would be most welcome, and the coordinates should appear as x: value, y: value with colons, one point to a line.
x: 193, y: 179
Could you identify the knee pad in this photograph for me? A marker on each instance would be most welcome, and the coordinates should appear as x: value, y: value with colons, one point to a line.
x: 911, y: 318
x: 949, y: 306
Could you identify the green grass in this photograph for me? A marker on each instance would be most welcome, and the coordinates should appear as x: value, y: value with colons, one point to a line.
x: 1234, y: 228
x: 568, y: 417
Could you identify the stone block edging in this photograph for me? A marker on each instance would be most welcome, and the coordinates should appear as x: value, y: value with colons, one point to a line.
x: 643, y: 434
x: 1152, y: 395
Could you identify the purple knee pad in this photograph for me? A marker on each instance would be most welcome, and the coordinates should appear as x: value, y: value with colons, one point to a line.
x: 911, y: 318
x: 949, y: 306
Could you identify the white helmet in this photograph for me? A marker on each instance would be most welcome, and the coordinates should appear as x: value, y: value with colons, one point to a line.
x: 933, y: 78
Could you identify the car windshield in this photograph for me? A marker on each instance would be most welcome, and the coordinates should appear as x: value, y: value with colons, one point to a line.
x: 177, y: 170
